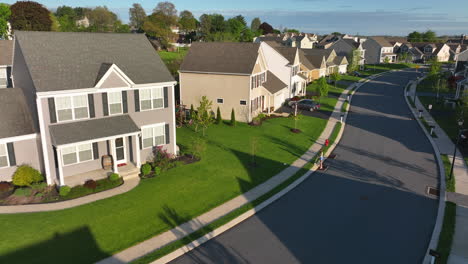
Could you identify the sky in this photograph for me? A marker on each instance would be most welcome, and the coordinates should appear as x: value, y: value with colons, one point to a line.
x: 364, y: 17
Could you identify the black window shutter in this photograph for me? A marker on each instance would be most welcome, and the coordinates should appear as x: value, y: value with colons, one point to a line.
x: 166, y: 99
x: 53, y: 116
x: 105, y: 105
x: 11, y: 154
x: 124, y: 102
x: 141, y: 143
x: 108, y: 147
x: 95, y: 150
x: 55, y: 158
x: 92, y: 113
x: 168, y: 138
x: 137, y: 100
x: 130, y: 146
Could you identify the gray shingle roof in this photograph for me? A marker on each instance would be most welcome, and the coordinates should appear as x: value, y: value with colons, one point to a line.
x: 72, y: 60
x: 221, y: 57
x: 305, y: 61
x: 76, y: 132
x: 287, y: 52
x: 15, y: 116
x: 6, y: 52
x: 273, y: 83
x: 382, y: 41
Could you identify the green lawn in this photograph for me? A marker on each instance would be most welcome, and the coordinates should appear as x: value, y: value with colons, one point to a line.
x: 446, y: 235
x: 449, y: 182
x: 99, y: 229
x: 327, y: 103
x: 371, y: 69
x: 427, y: 85
x: 168, y: 56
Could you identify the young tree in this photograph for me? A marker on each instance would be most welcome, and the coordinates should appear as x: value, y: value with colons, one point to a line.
x: 266, y: 28
x: 296, y: 116
x: 197, y: 147
x: 5, y: 14
x: 354, y: 59
x: 233, y: 118
x: 219, y: 119
x: 322, y: 87
x: 255, y: 25
x: 187, y: 21
x: 335, y: 77
x: 30, y: 16
x: 203, y: 117
x: 387, y: 60
x: 137, y: 16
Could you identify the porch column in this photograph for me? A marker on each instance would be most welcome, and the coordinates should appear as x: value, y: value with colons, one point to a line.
x: 60, y: 167
x: 269, y: 104
x: 137, y: 151
x: 114, y: 156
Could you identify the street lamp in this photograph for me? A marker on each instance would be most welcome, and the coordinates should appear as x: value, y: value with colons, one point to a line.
x: 460, y: 125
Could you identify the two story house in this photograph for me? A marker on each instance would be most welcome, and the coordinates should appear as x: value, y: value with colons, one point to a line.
x: 6, y: 58
x: 378, y: 49
x: 235, y: 76
x: 334, y: 63
x: 297, y: 79
x: 346, y: 47
x: 92, y: 97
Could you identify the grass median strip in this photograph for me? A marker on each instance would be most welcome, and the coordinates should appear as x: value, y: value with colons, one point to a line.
x: 448, y: 230
x: 450, y: 182
x: 232, y: 215
x: 428, y: 127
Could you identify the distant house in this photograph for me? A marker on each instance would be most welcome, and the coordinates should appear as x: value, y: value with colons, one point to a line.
x: 327, y: 41
x: 83, y: 22
x: 346, y: 47
x: 334, y: 63
x: 248, y: 77
x: 424, y: 51
x: 6, y: 61
x: 301, y: 41
x: 378, y: 49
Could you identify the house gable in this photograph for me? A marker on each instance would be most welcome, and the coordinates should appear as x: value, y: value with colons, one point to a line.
x: 113, y: 77
x: 260, y: 63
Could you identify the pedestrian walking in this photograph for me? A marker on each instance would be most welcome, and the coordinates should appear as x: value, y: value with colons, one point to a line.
x: 322, y: 158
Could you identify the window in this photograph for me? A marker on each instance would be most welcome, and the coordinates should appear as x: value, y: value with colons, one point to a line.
x: 72, y: 107
x: 4, y: 162
x: 220, y: 100
x: 77, y: 154
x: 151, y: 98
x: 295, y: 70
x: 153, y: 136
x: 115, y: 103
x: 243, y: 102
x: 258, y: 80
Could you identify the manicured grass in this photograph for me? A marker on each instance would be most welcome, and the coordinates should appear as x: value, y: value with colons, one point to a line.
x: 168, y: 56
x: 449, y: 182
x: 427, y: 85
x: 99, y: 229
x: 227, y: 218
x: 344, y: 106
x: 371, y: 69
x: 327, y: 103
x: 448, y: 230
x: 351, y: 78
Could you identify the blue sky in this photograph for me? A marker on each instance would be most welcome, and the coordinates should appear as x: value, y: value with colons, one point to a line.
x: 367, y: 17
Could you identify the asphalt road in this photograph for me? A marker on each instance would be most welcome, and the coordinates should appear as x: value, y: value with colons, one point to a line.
x: 369, y: 207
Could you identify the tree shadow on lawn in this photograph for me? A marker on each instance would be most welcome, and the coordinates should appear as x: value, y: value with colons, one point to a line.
x: 59, y: 249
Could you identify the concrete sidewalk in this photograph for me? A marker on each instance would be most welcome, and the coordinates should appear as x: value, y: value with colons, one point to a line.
x: 459, y: 253
x: 195, y: 224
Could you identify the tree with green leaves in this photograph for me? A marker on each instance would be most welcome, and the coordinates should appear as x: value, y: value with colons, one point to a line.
x: 434, y: 69
x: 166, y: 8
x: 219, y: 119
x: 30, y: 16
x: 322, y: 87
x: 233, y: 118
x: 158, y: 25
x: 137, y: 16
x: 203, y: 118
x: 429, y: 36
x: 415, y: 37
x: 403, y: 56
x: 187, y: 21
x: 335, y: 77
x: 386, y: 60
x: 205, y: 24
x: 65, y: 11
x: 354, y: 58
x: 197, y: 147
x: 255, y: 25
x: 55, y: 26
x: 5, y: 14
x: 101, y: 19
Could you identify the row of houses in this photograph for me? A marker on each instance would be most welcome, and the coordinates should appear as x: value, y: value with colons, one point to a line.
x: 252, y: 78
x: 70, y: 101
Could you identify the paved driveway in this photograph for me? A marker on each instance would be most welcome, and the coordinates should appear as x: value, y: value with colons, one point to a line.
x: 369, y: 207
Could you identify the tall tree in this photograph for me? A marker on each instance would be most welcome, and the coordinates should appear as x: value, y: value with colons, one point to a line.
x: 255, y: 24
x: 415, y: 37
x: 55, y: 23
x: 65, y: 11
x: 217, y: 23
x: 205, y: 24
x: 30, y: 16
x: 167, y: 8
x: 157, y: 25
x: 235, y: 27
x: 137, y: 16
x: 241, y: 19
x: 354, y: 59
x: 266, y: 28
x: 429, y: 36
x: 5, y: 14
x: 187, y: 21
x: 101, y: 19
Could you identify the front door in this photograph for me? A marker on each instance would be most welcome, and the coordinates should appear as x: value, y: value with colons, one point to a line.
x: 120, y: 153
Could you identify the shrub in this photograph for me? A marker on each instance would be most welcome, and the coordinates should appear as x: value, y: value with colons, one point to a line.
x: 23, y: 192
x: 90, y: 184
x: 145, y: 169
x: 162, y: 159
x: 39, y: 186
x: 157, y: 170
x: 64, y: 190
x: 26, y: 175
x: 233, y: 118
x: 114, y: 177
x: 5, y: 187
x: 218, y: 116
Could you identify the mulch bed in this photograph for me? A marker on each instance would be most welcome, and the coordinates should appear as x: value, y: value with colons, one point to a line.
x: 296, y: 131
x: 187, y: 159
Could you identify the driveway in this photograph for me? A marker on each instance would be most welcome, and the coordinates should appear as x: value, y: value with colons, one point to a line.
x: 369, y: 207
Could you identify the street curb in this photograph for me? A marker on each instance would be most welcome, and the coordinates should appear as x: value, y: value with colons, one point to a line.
x: 443, y: 195
x: 194, y: 244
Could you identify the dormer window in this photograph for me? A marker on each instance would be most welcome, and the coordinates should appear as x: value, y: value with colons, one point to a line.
x: 258, y: 79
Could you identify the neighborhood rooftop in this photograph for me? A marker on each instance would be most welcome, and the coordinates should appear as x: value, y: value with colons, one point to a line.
x: 72, y: 60
x: 6, y: 52
x: 15, y: 115
x: 221, y: 57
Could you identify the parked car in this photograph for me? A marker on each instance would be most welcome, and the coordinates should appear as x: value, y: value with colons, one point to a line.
x: 306, y: 104
x: 357, y: 74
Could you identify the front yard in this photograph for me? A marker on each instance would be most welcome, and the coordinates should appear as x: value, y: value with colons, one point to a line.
x: 92, y: 232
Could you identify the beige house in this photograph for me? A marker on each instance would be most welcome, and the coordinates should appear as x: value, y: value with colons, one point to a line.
x: 233, y: 76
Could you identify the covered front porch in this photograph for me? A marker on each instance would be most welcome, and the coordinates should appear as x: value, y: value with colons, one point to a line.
x: 93, y: 149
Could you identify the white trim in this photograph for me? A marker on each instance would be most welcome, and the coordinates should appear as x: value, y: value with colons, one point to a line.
x: 119, y: 72
x: 114, y: 156
x: 19, y: 138
x: 95, y: 90
x: 163, y: 124
x: 151, y: 99
x: 219, y: 73
x: 109, y: 104
x: 60, y: 167
x: 138, y: 152
x: 72, y: 107
x: 96, y: 140
x: 125, y: 159
x: 45, y: 152
x: 7, y: 155
x: 173, y: 141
